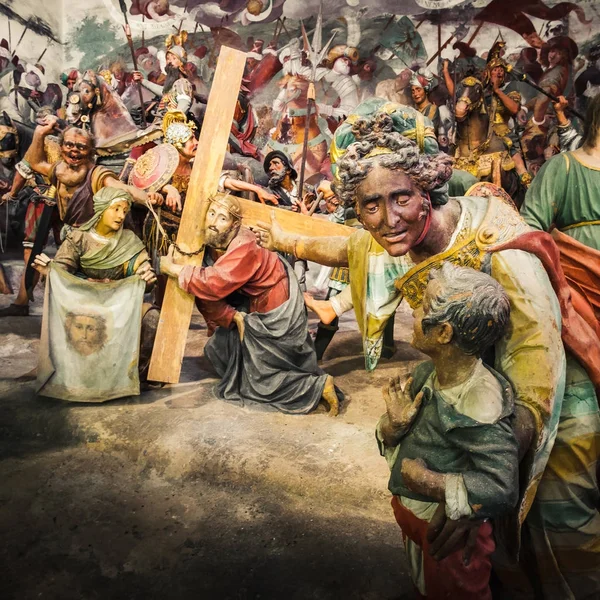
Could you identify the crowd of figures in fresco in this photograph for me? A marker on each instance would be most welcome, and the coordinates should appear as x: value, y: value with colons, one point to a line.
x: 465, y: 186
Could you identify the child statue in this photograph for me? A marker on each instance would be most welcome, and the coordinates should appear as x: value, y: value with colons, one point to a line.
x: 448, y: 432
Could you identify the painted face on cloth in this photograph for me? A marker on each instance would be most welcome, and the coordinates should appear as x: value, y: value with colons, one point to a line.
x: 86, y: 334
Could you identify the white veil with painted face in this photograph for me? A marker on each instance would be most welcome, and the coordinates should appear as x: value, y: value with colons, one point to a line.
x: 89, y: 348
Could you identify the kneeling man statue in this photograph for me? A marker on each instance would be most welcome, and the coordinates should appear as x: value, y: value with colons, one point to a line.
x: 271, y: 358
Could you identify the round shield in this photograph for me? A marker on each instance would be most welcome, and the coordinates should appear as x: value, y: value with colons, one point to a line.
x: 155, y: 168
x: 486, y: 189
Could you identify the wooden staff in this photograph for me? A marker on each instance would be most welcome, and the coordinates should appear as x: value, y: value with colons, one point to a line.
x: 276, y: 32
x: 21, y: 38
x: 284, y: 27
x: 524, y: 77
x: 475, y: 33
x: 183, y: 19
x: 441, y: 49
x: 127, y: 30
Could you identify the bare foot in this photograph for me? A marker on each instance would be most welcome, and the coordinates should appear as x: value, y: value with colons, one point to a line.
x: 330, y: 397
x: 323, y: 308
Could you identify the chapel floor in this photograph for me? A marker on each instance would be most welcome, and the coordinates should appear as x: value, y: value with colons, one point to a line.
x: 175, y: 494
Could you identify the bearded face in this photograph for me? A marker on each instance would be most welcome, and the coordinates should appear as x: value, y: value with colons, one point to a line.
x: 221, y: 227
x: 277, y: 178
x: 173, y: 74
x: 277, y: 172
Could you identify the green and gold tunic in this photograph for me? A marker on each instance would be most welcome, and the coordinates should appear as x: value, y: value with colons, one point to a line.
x: 565, y: 193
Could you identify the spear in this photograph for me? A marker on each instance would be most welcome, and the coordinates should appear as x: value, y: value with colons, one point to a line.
x: 477, y: 30
x: 21, y: 38
x: 183, y: 17
x: 127, y: 30
x: 9, y: 36
x: 39, y: 60
x: 459, y: 34
x: 284, y: 27
x: 524, y: 77
x: 276, y: 32
x: 316, y: 53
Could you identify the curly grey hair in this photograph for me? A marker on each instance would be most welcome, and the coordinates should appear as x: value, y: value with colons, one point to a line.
x: 474, y: 303
x: 430, y: 173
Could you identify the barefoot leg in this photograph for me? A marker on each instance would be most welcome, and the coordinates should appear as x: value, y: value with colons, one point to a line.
x: 323, y: 308
x: 330, y: 397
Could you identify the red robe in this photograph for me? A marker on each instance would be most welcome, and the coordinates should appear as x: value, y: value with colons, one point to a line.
x: 245, y: 267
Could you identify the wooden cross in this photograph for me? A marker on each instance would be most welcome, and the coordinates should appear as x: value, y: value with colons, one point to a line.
x: 176, y: 313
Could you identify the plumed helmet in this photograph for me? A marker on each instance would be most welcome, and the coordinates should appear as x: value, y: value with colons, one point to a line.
x: 341, y: 50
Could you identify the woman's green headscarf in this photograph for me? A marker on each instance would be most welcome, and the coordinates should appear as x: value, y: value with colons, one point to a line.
x: 121, y: 247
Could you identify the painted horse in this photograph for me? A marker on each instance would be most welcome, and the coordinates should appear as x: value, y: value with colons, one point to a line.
x: 478, y: 149
x: 291, y: 111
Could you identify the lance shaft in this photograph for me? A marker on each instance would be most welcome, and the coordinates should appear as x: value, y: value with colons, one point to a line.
x: 311, y: 102
x: 135, y: 68
x: 524, y: 77
x: 21, y: 38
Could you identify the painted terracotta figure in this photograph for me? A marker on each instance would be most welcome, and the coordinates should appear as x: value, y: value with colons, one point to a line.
x: 101, y: 250
x: 448, y: 432
x: 411, y: 227
x: 270, y: 359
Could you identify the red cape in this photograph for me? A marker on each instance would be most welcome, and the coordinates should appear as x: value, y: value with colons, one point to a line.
x: 578, y: 331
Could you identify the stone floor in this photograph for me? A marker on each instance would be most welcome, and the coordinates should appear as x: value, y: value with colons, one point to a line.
x: 175, y: 494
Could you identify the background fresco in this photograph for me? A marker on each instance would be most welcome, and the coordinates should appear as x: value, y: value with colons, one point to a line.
x: 88, y: 34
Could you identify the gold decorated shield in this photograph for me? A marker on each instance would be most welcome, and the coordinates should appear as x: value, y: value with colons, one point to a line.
x: 155, y: 168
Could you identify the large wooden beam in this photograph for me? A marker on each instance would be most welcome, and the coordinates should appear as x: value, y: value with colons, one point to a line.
x: 291, y: 222
x: 176, y: 313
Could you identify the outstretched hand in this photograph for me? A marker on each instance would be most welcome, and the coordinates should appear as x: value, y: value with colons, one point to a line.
x: 561, y: 105
x: 6, y: 197
x: 146, y: 273
x: 47, y: 124
x: 167, y: 263
x: 173, y: 198
x: 269, y: 234
x: 401, y: 409
x: 41, y: 264
x: 267, y: 197
x: 155, y: 198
